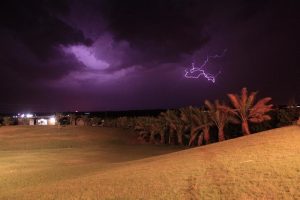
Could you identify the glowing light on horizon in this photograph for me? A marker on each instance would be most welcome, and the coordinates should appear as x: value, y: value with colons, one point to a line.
x: 29, y: 115
x: 192, y: 72
x: 52, y: 120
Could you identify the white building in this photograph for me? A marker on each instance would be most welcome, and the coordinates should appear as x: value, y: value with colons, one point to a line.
x: 45, y: 120
x: 30, y: 119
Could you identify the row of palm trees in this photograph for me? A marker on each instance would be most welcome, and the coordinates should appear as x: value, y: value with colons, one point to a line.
x: 74, y: 119
x: 194, y: 123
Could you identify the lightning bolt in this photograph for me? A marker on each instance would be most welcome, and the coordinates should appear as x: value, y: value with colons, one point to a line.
x: 190, y: 73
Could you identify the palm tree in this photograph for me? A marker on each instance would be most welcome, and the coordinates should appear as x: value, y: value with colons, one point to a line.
x: 161, y: 128
x: 122, y: 122
x: 59, y: 117
x: 246, y: 111
x: 188, y: 116
x: 206, y: 122
x: 176, y: 125
x: 149, y: 127
x: 157, y: 127
x: 86, y: 119
x: 141, y: 126
x: 219, y: 116
x: 73, y: 117
x: 197, y: 119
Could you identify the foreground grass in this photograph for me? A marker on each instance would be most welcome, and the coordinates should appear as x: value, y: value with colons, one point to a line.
x: 95, y: 163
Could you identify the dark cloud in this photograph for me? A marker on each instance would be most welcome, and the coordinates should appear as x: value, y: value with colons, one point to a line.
x: 30, y: 34
x: 160, y: 29
x: 37, y: 26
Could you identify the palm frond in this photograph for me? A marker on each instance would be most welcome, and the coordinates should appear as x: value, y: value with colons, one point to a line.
x: 244, y: 96
x: 235, y: 100
x: 251, y: 99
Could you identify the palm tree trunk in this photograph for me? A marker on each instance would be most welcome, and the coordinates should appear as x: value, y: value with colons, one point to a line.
x: 245, y: 128
x: 200, y: 139
x: 171, y: 134
x: 179, y: 138
x: 192, y: 137
x: 162, y: 138
x: 221, y: 134
x: 152, y: 137
x: 206, y: 135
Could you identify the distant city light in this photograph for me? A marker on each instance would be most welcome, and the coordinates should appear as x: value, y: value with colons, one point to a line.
x: 42, y: 121
x: 29, y: 115
x: 52, y: 120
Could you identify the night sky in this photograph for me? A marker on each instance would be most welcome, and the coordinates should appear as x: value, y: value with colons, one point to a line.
x: 67, y: 55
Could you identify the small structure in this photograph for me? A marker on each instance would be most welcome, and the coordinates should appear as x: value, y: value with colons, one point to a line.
x: 45, y: 120
x: 31, y: 120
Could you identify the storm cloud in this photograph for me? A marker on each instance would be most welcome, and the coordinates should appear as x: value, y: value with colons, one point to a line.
x: 111, y: 55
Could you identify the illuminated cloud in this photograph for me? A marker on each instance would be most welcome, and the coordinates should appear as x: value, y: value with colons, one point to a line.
x: 86, y: 55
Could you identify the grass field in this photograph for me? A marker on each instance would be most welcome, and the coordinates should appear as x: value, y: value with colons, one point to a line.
x: 100, y: 163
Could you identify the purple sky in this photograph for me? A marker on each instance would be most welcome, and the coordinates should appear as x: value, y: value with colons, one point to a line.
x: 67, y: 55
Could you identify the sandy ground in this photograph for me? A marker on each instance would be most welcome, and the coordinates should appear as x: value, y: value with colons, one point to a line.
x: 100, y: 163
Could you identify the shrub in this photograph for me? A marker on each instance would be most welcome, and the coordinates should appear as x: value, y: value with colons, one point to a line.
x: 287, y: 116
x: 9, y: 121
x: 96, y: 121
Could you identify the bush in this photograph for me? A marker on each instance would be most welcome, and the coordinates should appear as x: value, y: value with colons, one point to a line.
x: 266, y: 125
x: 287, y: 116
x: 232, y: 131
x: 23, y: 121
x: 9, y: 121
x: 96, y: 121
x: 63, y: 121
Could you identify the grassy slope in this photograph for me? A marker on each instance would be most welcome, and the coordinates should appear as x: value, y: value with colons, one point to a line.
x: 80, y: 163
